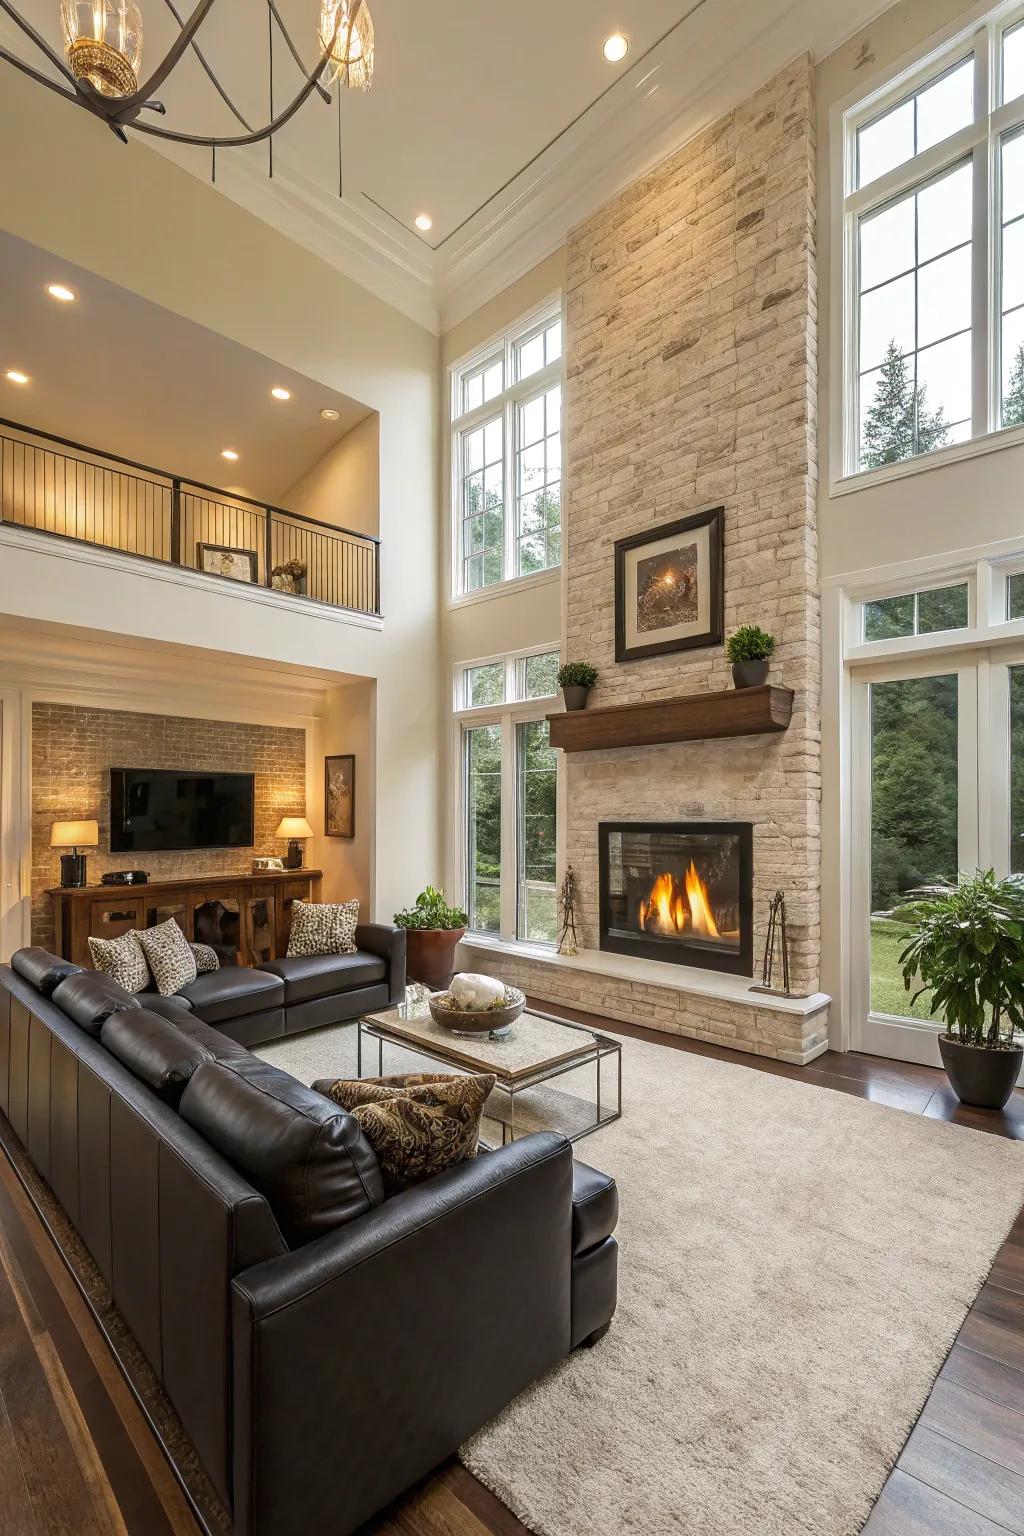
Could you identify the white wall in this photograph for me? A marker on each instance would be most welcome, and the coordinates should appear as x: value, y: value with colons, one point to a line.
x: 343, y: 488
x: 936, y: 509
x: 130, y: 215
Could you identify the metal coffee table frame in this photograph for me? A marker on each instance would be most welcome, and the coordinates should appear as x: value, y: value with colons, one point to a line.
x: 604, y: 1046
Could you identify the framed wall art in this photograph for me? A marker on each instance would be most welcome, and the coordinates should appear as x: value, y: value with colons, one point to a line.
x: 669, y: 587
x: 340, y: 795
x: 222, y: 560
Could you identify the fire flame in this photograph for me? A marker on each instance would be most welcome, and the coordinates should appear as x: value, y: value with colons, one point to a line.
x: 667, y: 913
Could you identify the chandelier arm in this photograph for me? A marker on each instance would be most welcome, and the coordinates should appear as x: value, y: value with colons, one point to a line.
x: 37, y: 74
x: 326, y: 95
x: 126, y: 106
x: 257, y: 135
x: 40, y: 42
x: 221, y: 92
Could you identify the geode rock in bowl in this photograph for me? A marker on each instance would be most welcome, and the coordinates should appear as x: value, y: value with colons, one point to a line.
x: 481, y: 1021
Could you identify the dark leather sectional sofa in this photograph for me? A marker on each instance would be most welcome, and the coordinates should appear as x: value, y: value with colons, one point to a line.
x: 324, y: 1346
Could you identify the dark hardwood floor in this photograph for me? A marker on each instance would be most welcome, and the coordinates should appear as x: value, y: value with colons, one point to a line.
x: 77, y: 1456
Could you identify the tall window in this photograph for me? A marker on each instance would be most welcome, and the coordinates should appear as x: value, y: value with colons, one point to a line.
x: 506, y: 413
x: 508, y: 805
x: 934, y: 214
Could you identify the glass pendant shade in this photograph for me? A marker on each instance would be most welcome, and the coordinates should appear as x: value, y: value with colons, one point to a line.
x: 352, y: 50
x: 103, y: 43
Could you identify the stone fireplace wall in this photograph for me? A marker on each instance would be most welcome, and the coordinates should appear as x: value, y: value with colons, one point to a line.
x: 691, y: 382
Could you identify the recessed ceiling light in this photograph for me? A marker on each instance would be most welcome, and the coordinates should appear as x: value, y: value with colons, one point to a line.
x: 228, y: 453
x: 16, y: 376
x: 281, y: 394
x: 59, y: 291
x: 423, y: 221
x: 329, y: 413
x: 615, y: 47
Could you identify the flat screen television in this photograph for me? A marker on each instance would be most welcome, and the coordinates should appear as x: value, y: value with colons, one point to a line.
x: 156, y: 810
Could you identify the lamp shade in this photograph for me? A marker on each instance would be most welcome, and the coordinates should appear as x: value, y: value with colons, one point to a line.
x: 294, y: 826
x: 75, y: 834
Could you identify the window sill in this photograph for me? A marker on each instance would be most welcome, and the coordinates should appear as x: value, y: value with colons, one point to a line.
x: 507, y: 588
x: 990, y: 442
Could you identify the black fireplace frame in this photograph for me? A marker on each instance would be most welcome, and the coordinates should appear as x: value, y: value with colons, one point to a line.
x: 739, y: 964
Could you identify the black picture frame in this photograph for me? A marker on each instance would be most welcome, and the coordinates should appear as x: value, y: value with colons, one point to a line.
x: 713, y: 519
x: 339, y: 826
x: 249, y: 555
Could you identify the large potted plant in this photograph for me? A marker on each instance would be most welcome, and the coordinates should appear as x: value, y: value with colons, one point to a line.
x: 576, y: 678
x: 966, y: 949
x: 432, y: 929
x: 749, y: 650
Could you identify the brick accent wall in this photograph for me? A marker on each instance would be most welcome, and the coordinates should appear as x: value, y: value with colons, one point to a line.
x: 73, y: 750
x: 691, y: 382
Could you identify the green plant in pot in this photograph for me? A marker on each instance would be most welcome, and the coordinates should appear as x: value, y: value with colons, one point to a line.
x: 749, y: 649
x: 432, y: 931
x: 967, y: 950
x: 576, y: 678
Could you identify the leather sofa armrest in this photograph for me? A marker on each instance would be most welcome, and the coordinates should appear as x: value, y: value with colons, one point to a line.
x: 447, y: 1300
x: 389, y: 943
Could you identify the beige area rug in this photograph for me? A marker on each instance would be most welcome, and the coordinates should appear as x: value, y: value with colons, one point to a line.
x: 794, y: 1266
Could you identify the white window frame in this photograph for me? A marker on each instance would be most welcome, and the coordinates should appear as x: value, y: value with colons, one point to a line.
x: 506, y: 405
x: 508, y: 715
x: 980, y: 142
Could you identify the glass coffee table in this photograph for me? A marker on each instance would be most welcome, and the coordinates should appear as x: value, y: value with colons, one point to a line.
x: 538, y: 1048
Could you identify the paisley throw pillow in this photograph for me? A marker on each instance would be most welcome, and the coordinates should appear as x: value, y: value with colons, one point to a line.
x: 170, y: 959
x: 323, y: 928
x: 418, y: 1124
x: 123, y: 960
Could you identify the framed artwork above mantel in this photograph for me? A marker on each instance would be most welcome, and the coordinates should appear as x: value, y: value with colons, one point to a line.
x: 670, y: 587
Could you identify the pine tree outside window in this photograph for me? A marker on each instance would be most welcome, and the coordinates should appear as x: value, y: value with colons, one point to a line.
x: 934, y: 252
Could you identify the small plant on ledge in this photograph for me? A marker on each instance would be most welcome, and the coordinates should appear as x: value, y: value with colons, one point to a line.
x: 749, y: 649
x: 576, y: 678
x: 966, y: 949
x: 433, y: 930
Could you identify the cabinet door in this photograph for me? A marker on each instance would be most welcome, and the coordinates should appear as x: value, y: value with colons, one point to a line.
x: 110, y: 916
x: 217, y: 920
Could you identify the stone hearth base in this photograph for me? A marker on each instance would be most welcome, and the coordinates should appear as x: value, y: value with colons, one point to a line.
x: 785, y: 1029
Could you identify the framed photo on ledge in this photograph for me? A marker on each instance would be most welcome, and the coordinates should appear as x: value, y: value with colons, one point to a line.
x: 340, y: 795
x: 670, y: 587
x: 224, y: 560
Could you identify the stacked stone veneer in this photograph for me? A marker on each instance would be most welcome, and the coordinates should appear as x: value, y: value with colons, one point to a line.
x: 73, y: 750
x: 690, y: 383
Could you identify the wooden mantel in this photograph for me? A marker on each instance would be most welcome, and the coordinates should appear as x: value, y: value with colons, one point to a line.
x: 695, y: 717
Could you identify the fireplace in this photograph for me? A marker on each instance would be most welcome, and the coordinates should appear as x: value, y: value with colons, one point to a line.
x: 680, y: 891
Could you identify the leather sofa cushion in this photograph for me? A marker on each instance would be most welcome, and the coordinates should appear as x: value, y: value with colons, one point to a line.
x: 221, y: 1047
x: 231, y: 992
x: 173, y: 1008
x: 42, y: 970
x: 154, y: 1050
x: 90, y: 997
x: 309, y: 1158
x: 309, y: 976
x: 595, y: 1207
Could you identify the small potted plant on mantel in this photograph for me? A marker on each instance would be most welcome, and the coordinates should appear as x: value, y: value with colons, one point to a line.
x: 432, y: 931
x: 576, y: 678
x: 748, y: 650
x: 967, y: 949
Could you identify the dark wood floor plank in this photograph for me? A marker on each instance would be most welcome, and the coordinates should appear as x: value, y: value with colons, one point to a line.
x: 907, y: 1507
x: 1007, y: 1306
x: 977, y: 1483
x: 989, y: 1336
x: 944, y: 1105
x: 17, y: 1517
x: 988, y: 1377
x: 976, y: 1422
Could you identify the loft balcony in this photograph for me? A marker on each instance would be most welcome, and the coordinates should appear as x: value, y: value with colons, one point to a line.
x: 64, y: 490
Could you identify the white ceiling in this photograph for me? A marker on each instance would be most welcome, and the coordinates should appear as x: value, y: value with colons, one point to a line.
x: 501, y: 120
x: 177, y: 392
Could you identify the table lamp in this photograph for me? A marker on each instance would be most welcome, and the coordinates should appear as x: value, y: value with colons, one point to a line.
x: 294, y: 828
x: 74, y: 835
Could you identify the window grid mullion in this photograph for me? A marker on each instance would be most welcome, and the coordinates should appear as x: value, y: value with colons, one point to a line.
x: 511, y: 501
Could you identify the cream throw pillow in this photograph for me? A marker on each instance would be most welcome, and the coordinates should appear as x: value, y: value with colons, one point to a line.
x: 323, y: 928
x: 170, y: 959
x: 123, y: 960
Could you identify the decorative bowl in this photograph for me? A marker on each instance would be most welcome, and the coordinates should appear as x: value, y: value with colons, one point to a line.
x: 483, y: 1021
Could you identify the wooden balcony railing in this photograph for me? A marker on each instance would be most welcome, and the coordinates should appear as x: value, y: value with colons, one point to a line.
x: 63, y: 489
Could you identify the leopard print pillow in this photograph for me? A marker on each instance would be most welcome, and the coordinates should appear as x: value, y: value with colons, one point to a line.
x: 170, y: 959
x: 418, y: 1124
x: 323, y: 928
x: 123, y: 960
x: 206, y: 957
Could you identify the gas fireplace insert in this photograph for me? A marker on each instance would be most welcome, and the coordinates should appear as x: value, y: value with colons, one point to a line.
x: 680, y: 891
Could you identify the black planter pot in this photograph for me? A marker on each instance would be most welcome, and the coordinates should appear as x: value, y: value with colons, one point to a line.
x: 749, y: 674
x: 979, y: 1075
x: 575, y: 698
